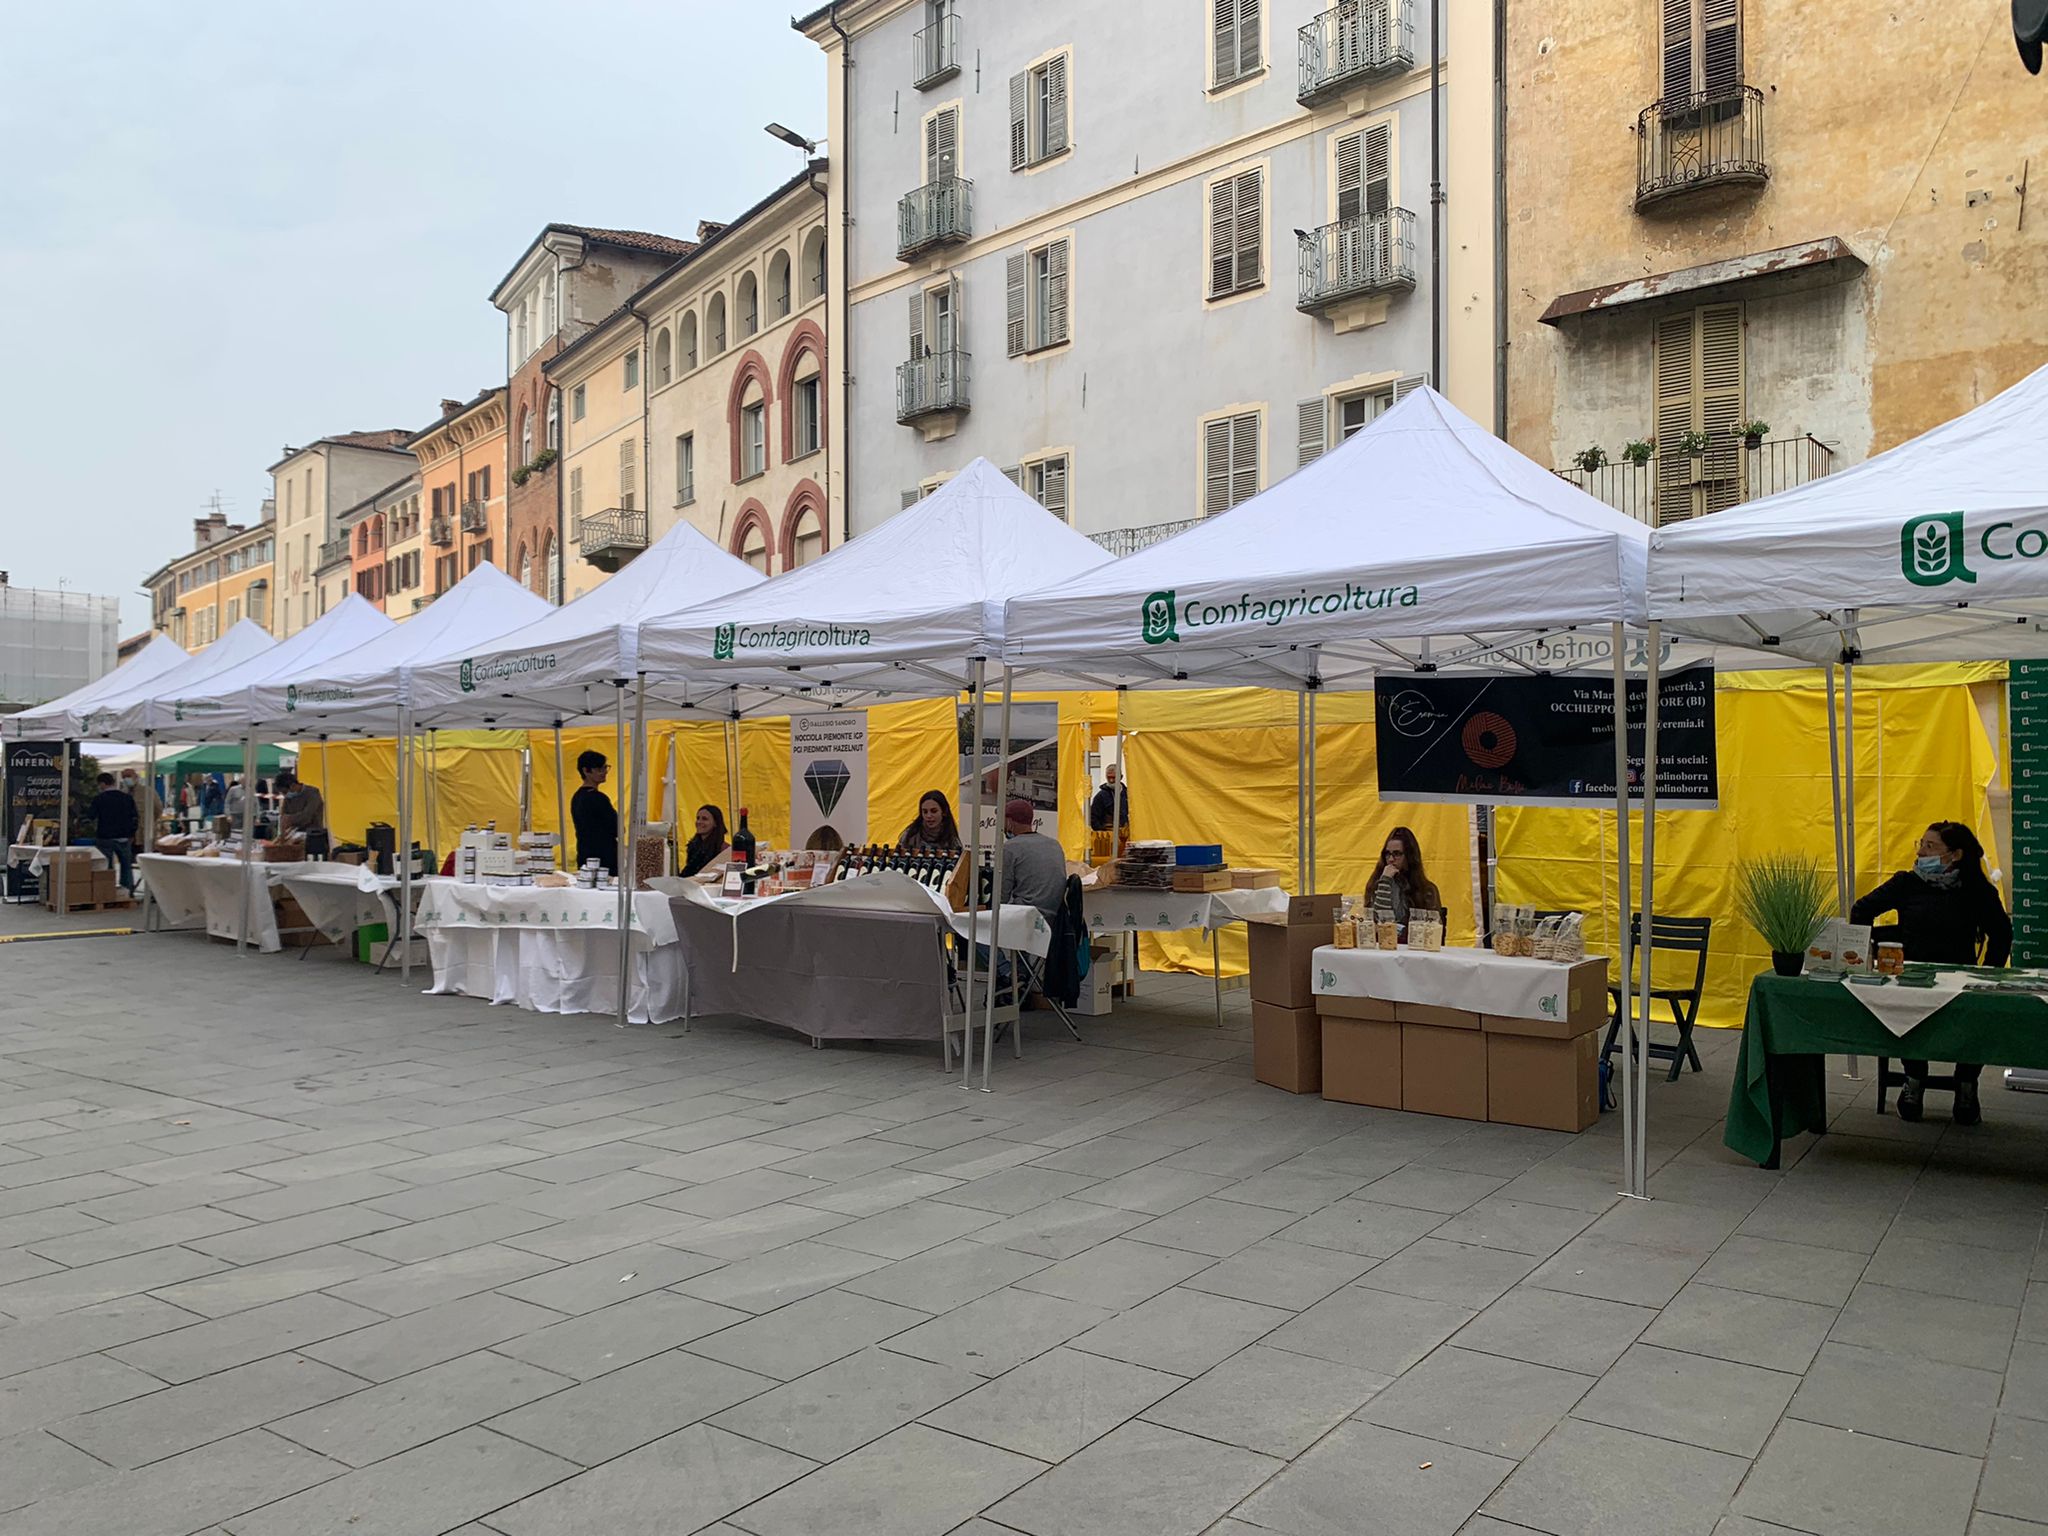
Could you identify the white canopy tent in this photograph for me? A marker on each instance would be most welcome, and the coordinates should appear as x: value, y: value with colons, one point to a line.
x: 1421, y: 543
x: 65, y: 718
x: 913, y: 608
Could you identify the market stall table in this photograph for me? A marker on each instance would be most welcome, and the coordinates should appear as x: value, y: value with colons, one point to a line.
x: 338, y: 899
x: 551, y: 949
x: 186, y: 889
x: 1476, y: 980
x: 1795, y: 1023
x: 1133, y: 909
x: 863, y: 959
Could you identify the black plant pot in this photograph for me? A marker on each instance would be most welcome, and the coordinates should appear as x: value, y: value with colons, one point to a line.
x: 1753, y: 441
x: 1788, y: 962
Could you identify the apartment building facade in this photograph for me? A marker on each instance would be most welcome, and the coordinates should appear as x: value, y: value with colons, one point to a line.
x: 1149, y: 259
x: 385, y: 539
x: 228, y: 576
x: 311, y: 487
x: 1759, y: 240
x: 568, y: 279
x: 461, y: 470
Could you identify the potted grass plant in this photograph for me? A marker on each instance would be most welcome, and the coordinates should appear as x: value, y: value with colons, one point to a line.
x: 1785, y: 899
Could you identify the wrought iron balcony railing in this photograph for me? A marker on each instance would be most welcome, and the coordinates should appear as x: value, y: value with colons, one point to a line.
x: 441, y: 530
x: 935, y: 53
x: 1353, y: 43
x: 1688, y: 143
x: 610, y: 538
x: 938, y: 213
x: 475, y: 518
x: 1659, y: 492
x: 1356, y: 258
x: 1128, y: 541
x: 928, y: 385
x: 332, y: 553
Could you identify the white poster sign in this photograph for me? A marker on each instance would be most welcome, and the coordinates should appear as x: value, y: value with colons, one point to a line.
x: 828, y: 779
x: 1033, y: 756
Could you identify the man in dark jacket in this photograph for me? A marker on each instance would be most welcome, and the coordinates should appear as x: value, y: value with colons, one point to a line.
x: 592, y: 814
x: 114, y: 822
x: 1110, y: 810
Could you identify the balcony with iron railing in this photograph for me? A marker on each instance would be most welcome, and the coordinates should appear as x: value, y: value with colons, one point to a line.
x: 1357, y: 258
x: 1687, y: 144
x: 938, y: 213
x: 1672, y: 489
x: 475, y: 517
x: 610, y: 538
x: 935, y: 53
x: 929, y: 385
x: 441, y: 530
x: 1128, y: 541
x: 1353, y: 44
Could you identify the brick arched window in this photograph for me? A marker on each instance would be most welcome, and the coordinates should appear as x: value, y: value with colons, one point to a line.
x: 804, y: 534
x: 751, y: 372
x: 803, y: 362
x: 753, y: 540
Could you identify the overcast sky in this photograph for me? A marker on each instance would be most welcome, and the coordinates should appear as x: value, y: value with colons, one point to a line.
x: 230, y: 226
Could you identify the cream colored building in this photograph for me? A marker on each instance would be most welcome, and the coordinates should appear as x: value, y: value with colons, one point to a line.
x: 311, y: 487
x: 197, y: 598
x: 599, y: 380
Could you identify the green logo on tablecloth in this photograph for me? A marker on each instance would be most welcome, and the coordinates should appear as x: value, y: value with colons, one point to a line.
x: 1547, y: 1006
x: 1326, y: 980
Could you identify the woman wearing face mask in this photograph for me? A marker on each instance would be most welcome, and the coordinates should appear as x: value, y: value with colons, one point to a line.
x: 1949, y: 913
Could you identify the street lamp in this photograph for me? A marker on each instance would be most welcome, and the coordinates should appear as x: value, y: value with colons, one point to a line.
x: 792, y: 138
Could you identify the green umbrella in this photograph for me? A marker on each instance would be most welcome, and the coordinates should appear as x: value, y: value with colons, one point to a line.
x: 222, y: 757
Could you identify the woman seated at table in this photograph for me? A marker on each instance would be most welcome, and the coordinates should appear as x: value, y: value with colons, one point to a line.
x: 1949, y: 913
x: 710, y: 842
x: 1401, y: 871
x: 934, y: 831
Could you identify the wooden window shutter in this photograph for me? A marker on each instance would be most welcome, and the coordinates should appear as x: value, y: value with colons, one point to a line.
x: 1251, y: 227
x: 1244, y: 458
x: 916, y: 324
x: 1225, y: 56
x: 1247, y: 36
x: 1222, y: 236
x: 575, y: 494
x: 911, y: 499
x: 1720, y: 406
x: 1379, y: 170
x: 1216, y: 467
x: 1015, y: 475
x: 1056, y: 309
x: 1312, y: 430
x: 1350, y: 175
x: 1720, y: 47
x: 956, y: 319
x: 1403, y: 388
x: 1020, y: 143
x: 942, y: 145
x: 1013, y: 329
x: 1056, y: 92
x: 628, y: 466
x: 1677, y: 54
x: 1675, y: 416
x: 1053, y: 496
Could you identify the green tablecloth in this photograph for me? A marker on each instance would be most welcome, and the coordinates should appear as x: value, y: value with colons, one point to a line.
x: 1795, y: 1022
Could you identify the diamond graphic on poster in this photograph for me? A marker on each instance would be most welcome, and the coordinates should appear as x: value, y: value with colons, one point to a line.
x: 828, y: 763
x: 827, y: 780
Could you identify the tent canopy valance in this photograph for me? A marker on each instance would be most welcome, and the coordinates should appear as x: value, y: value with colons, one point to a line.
x: 1422, y: 541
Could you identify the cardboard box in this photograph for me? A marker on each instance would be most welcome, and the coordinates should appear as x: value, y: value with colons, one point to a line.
x: 1282, y: 972
x: 1361, y: 1060
x: 1443, y: 1067
x: 1378, y: 1009
x: 1287, y: 1047
x: 291, y: 915
x: 1201, y: 880
x: 1551, y: 1084
x: 1431, y: 1013
x: 1255, y: 879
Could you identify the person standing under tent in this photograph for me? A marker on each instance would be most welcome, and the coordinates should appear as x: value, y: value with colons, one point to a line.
x: 142, y: 794
x: 213, y: 796
x: 304, y: 812
x: 114, y: 823
x: 1110, y: 810
x: 592, y: 814
x: 237, y: 798
x: 1949, y: 913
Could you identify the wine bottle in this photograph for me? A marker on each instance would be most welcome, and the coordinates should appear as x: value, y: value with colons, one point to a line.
x: 743, y: 842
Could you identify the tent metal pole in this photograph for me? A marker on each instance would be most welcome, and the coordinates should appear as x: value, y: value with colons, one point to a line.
x: 1623, y: 935
x: 980, y: 674
x: 995, y: 905
x: 326, y: 787
x: 1855, y: 1068
x: 1648, y: 948
x: 1310, y: 820
x: 148, y: 810
x: 622, y: 855
x: 64, y: 825
x: 1835, y: 795
x: 1300, y: 796
x: 526, y: 789
x: 248, y: 845
x: 562, y: 851
x: 405, y: 841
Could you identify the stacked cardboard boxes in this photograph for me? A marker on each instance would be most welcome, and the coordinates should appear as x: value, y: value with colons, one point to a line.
x: 1287, y: 1037
x: 85, y: 888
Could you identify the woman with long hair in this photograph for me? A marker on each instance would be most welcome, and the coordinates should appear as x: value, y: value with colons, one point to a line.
x: 934, y: 831
x: 709, y: 843
x: 1401, y: 871
x: 1949, y: 913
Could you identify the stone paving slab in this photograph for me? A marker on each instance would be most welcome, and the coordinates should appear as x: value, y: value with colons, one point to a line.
x: 338, y: 1258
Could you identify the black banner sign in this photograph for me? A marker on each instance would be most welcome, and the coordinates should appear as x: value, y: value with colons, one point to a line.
x: 35, y: 781
x: 1540, y: 740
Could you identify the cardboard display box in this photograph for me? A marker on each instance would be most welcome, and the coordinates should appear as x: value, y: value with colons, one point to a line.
x: 1282, y: 953
x: 291, y: 915
x: 1287, y: 1047
x: 1443, y: 1064
x: 1361, y: 1059
x: 1553, y: 1085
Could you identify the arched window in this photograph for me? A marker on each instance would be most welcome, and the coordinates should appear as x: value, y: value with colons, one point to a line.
x: 664, y: 361
x: 525, y: 435
x: 525, y: 568
x: 551, y: 559
x: 555, y: 420
x: 754, y: 547
x: 778, y: 285
x: 809, y: 542
x: 750, y: 305
x: 686, y: 330
x: 714, y: 325
x: 814, y: 264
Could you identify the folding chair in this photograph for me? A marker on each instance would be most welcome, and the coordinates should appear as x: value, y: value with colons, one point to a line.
x: 1681, y: 935
x: 1887, y: 1079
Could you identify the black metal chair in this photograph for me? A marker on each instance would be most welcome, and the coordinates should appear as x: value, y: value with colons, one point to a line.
x: 1682, y: 935
x: 1887, y: 1079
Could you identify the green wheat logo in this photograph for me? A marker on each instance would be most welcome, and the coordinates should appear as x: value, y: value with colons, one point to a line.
x: 467, y: 677
x: 1159, y: 626
x: 721, y: 643
x: 1931, y: 550
x: 291, y: 697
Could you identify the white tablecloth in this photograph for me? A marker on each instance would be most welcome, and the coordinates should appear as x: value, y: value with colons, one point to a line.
x: 187, y: 890
x: 1114, y: 909
x: 1017, y: 927
x: 1477, y: 980
x: 38, y: 856
x: 550, y: 950
x: 338, y: 899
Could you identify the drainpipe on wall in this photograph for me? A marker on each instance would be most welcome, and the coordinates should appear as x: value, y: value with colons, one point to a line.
x: 1500, y: 219
x: 824, y: 192
x: 842, y: 156
x: 1436, y: 197
x: 646, y: 415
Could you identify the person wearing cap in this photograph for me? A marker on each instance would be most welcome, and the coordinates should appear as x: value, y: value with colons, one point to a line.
x: 1034, y: 865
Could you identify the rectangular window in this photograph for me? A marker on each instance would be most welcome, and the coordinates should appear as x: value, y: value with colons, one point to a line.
x: 234, y: 610
x: 803, y: 418
x: 1237, y: 218
x: 753, y: 441
x: 629, y: 472
x: 1038, y: 285
x: 1236, y: 53
x: 1365, y: 180
x: 686, y: 469
x: 576, y: 492
x: 1038, y: 113
x: 942, y: 145
x: 1702, y: 52
x: 1230, y: 462
x: 1046, y: 481
x: 1699, y: 412
x: 633, y: 369
x: 576, y: 403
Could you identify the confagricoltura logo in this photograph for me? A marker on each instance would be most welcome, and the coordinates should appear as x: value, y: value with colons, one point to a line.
x: 291, y: 697
x: 1163, y: 616
x: 1931, y: 550
x: 721, y: 643
x: 467, y: 677
x: 474, y: 674
x: 730, y: 639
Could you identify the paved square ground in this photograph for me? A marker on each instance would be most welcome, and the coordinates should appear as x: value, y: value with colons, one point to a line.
x: 288, y: 1248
